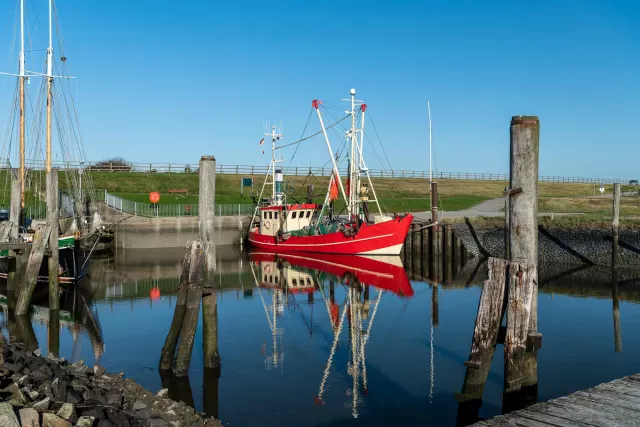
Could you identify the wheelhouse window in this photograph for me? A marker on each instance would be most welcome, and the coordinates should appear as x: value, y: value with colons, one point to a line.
x: 293, y: 215
x: 308, y: 214
x: 275, y: 215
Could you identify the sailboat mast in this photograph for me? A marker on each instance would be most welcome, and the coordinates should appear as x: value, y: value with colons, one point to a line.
x: 49, y: 87
x: 22, y: 78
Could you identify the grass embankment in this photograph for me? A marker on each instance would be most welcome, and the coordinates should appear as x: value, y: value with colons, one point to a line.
x: 569, y: 222
x: 629, y: 205
x: 395, y: 194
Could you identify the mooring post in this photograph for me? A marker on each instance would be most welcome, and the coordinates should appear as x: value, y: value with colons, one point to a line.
x: 448, y: 254
x: 52, y: 220
x: 522, y: 306
x: 616, y: 215
x: 207, y: 209
x: 433, y: 199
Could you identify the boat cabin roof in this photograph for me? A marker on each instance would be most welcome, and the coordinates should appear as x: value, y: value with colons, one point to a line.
x: 290, y: 207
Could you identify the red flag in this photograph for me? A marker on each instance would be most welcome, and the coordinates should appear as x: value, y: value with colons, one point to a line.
x: 333, y: 188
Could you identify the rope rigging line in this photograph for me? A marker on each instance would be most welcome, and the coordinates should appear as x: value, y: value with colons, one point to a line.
x: 379, y: 140
x: 311, y: 136
x: 301, y: 136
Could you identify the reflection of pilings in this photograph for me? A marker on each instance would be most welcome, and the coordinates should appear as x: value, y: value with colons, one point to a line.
x: 179, y: 387
x: 434, y: 305
x: 617, y: 333
x: 25, y: 333
x: 470, y: 399
x: 54, y: 332
x: 448, y: 254
x: 210, y: 389
x: 210, y: 330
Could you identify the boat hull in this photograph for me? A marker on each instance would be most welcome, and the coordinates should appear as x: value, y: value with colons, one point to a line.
x: 385, y: 238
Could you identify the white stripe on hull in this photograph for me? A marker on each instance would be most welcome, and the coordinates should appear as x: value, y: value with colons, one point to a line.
x: 389, y: 250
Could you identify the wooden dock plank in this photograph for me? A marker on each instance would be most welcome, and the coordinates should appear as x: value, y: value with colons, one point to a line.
x: 616, y: 403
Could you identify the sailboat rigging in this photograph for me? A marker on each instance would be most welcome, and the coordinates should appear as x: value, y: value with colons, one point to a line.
x: 84, y: 229
x: 279, y: 226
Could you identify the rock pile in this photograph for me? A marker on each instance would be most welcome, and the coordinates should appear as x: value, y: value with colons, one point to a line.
x: 48, y: 392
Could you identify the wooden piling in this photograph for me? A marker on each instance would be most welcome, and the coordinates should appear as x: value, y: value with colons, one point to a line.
x: 432, y: 252
x: 616, y: 214
x: 448, y: 254
x: 210, y: 330
x: 192, y: 310
x: 523, y: 248
x: 523, y: 197
x: 490, y: 312
x: 28, y: 283
x: 54, y: 257
x: 206, y: 209
x: 434, y: 202
x: 520, y: 295
x: 169, y: 349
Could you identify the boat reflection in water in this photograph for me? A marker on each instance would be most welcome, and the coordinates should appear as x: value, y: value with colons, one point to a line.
x: 289, y: 275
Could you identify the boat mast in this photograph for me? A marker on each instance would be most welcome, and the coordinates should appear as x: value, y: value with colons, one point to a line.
x: 276, y: 175
x: 49, y: 87
x: 354, y: 167
x: 22, y: 77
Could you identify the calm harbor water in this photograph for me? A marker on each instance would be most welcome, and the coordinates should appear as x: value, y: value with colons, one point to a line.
x: 401, y: 346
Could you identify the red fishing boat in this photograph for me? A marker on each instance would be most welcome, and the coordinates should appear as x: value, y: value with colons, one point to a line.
x: 283, y: 227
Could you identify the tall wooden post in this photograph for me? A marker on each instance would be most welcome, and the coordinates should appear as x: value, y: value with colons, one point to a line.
x: 52, y: 219
x: 616, y: 214
x: 206, y: 210
x: 522, y: 248
x: 448, y: 254
x: 434, y: 202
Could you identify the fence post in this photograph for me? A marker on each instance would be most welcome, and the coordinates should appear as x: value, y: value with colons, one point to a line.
x: 135, y: 208
x: 105, y: 195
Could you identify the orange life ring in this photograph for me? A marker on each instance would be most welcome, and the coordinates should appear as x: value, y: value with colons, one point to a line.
x: 76, y: 235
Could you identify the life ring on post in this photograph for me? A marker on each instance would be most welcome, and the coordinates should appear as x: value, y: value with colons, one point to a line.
x: 267, y: 269
x: 267, y: 224
x: 76, y: 235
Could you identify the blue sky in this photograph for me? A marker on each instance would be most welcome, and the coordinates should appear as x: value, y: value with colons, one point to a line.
x: 169, y: 81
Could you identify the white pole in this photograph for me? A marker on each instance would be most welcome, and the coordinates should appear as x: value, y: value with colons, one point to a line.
x: 21, y: 58
x: 430, y: 169
x: 50, y: 49
x: 333, y: 160
x: 352, y: 164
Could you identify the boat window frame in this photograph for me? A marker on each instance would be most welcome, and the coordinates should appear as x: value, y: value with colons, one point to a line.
x: 293, y: 215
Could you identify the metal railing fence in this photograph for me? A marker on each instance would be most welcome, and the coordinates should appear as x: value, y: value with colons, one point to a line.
x: 298, y: 171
